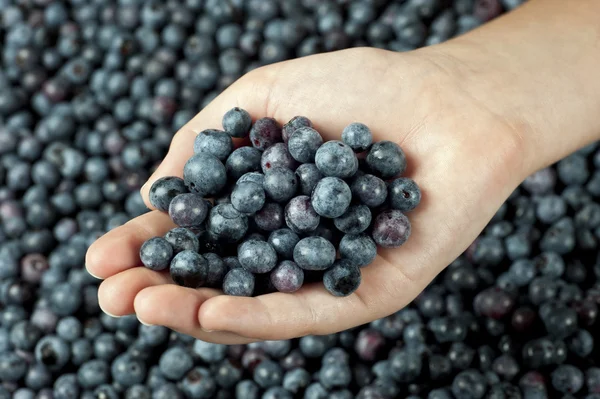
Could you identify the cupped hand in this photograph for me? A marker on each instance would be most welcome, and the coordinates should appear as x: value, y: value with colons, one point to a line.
x: 465, y: 158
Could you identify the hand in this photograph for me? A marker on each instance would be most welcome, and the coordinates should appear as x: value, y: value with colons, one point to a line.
x: 465, y: 158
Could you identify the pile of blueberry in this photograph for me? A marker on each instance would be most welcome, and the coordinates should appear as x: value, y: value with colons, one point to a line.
x: 90, y: 95
x: 310, y: 197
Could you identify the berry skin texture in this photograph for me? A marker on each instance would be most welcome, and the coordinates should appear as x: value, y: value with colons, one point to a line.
x: 156, y: 253
x: 284, y: 241
x: 358, y: 136
x: 391, y: 229
x: 356, y: 220
x: 275, y: 156
x: 226, y: 223
x: 287, y: 277
x: 359, y: 249
x: 214, y: 142
x: 370, y: 190
x: 188, y: 210
x: 303, y: 144
x: 295, y: 123
x: 264, y: 133
x: 243, y: 160
x: 237, y: 122
x: 280, y: 184
x: 300, y: 216
x: 335, y: 158
x: 343, y: 278
x: 469, y: 384
x: 189, y: 269
x: 404, y: 194
x: 314, y: 253
x: 567, y: 379
x: 331, y: 197
x: 239, y: 282
x: 308, y: 176
x: 204, y: 174
x: 270, y: 217
x: 164, y: 190
x: 268, y: 374
x: 257, y: 256
x: 386, y: 159
x: 248, y: 197
x: 182, y: 239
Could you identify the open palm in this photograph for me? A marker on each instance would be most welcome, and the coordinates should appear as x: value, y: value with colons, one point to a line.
x: 465, y: 159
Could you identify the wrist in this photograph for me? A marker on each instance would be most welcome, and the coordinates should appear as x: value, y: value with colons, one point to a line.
x: 535, y: 69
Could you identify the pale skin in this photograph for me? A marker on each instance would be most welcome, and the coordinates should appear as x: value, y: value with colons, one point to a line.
x: 475, y: 116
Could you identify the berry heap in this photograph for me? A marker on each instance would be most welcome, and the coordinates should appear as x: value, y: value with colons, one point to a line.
x: 264, y: 217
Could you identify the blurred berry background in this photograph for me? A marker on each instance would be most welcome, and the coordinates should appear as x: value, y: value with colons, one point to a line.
x: 91, y: 93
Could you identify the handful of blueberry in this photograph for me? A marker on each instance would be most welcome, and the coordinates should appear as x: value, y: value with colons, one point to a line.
x: 270, y: 216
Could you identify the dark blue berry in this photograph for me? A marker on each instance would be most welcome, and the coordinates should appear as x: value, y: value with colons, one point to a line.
x: 342, y: 279
x: 404, y: 194
x: 215, y: 142
x: 386, y: 159
x: 182, y: 239
x: 226, y: 223
x: 280, y: 184
x: 303, y: 144
x: 358, y: 136
x: 237, y: 122
x: 370, y: 190
x: 331, y: 197
x: 156, y: 253
x: 264, y: 133
x: 204, y: 174
x: 314, y: 253
x: 164, y: 190
x: 189, y: 269
x: 188, y: 210
x: 308, y: 176
x: 239, y: 282
x: 257, y: 256
x: 248, y: 197
x: 284, y: 241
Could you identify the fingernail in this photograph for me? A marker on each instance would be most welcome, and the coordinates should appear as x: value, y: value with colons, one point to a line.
x: 207, y: 331
x: 92, y: 274
x: 143, y: 322
x: 111, y: 315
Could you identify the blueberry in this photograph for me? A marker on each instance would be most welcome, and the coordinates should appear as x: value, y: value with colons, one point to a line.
x: 204, y: 174
x: 189, y: 269
x: 209, y: 352
x: 243, y: 160
x: 391, y: 229
x: 335, y: 158
x: 53, y: 352
x: 370, y: 190
x: 343, y: 278
x: 264, y: 133
x: 215, y: 142
x: 280, y: 184
x: 284, y: 241
x: 65, y: 300
x: 164, y: 190
x: 270, y: 217
x: 355, y: 220
x: 188, y: 210
x: 308, y: 176
x: 314, y: 253
x: 331, y: 197
x: 182, y: 239
x: 294, y: 124
x: 247, y: 389
x: 69, y: 329
x: 253, y: 177
x: 248, y: 197
x: 175, y: 362
x: 12, y: 367
x: 199, y: 383
x: 239, y: 282
x: 573, y: 169
x: 237, y: 122
x: 38, y: 377
x: 275, y: 156
x: 358, y: 136
x: 268, y: 374
x: 300, y: 215
x: 93, y: 374
x: 257, y: 256
x: 386, y: 159
x: 287, y: 277
x: 493, y: 302
x: 66, y: 386
x: 303, y: 144
x: 581, y: 343
x: 469, y: 384
x: 567, y: 379
x: 559, y: 237
x: 404, y: 194
x: 540, y: 182
x: 156, y: 253
x: 226, y: 223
